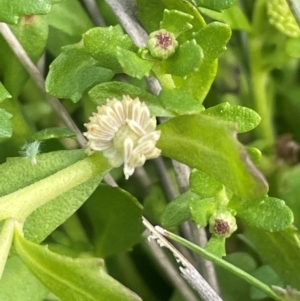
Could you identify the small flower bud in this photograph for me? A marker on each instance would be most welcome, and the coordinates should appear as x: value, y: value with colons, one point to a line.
x: 162, y: 44
x: 222, y: 224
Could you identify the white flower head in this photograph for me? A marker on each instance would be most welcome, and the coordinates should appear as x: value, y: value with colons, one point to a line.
x: 125, y: 132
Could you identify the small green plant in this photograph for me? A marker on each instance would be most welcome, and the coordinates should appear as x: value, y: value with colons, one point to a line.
x: 207, y: 91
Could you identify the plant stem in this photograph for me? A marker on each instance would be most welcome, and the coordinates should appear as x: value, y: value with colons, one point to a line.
x: 226, y: 265
x: 21, y: 203
x: 259, y: 76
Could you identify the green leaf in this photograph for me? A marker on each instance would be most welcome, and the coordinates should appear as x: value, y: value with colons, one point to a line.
x: 282, y: 18
x: 216, y: 246
x: 178, y: 210
x: 179, y: 102
x: 29, y: 288
x: 55, y: 132
x: 71, y: 278
x: 3, y: 93
x: 292, y: 47
x: 67, y: 22
x: 269, y: 214
x: 213, y: 39
x: 103, y: 42
x: 182, y: 62
x: 281, y: 251
x: 203, y: 184
x: 245, y: 118
x: 232, y: 16
x: 254, y: 154
x: 132, y: 64
x: 11, y: 10
x: 115, y: 216
x: 6, y: 129
x: 201, y: 210
x: 204, y: 142
x: 110, y: 90
x: 217, y: 5
x: 73, y: 72
x: 176, y: 27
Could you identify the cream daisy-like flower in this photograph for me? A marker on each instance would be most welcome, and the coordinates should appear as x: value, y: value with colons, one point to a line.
x: 125, y: 132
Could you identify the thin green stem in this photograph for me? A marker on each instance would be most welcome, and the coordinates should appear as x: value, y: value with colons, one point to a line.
x: 226, y: 265
x: 259, y: 75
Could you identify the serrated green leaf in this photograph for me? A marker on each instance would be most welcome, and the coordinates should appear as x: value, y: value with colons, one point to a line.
x: 182, y: 63
x: 201, y: 210
x: 3, y: 93
x: 80, y: 279
x: 269, y: 214
x: 282, y: 18
x: 203, y: 184
x: 179, y: 102
x: 29, y: 288
x: 176, y: 27
x: 281, y: 251
x: 213, y: 39
x: 216, y: 246
x: 151, y: 13
x: 178, y: 210
x: 103, y: 42
x: 245, y: 118
x: 73, y: 72
x: 6, y: 128
x: 132, y: 64
x: 217, y: 5
x: 115, y: 216
x: 110, y: 90
x: 209, y: 145
x: 55, y: 132
x: 292, y: 47
x: 12, y: 10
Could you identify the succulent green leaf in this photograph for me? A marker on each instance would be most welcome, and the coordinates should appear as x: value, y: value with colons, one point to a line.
x: 209, y: 145
x: 115, y: 216
x: 204, y: 185
x: 176, y: 27
x: 217, y: 5
x: 282, y: 18
x: 82, y: 279
x: 151, y: 13
x: 245, y: 118
x: 216, y: 246
x: 73, y: 72
x: 201, y: 210
x: 132, y: 64
x: 182, y: 63
x: 55, y: 132
x: 3, y: 93
x: 232, y: 16
x: 281, y: 251
x: 269, y: 214
x: 29, y: 288
x: 12, y: 10
x: 213, y: 39
x: 103, y: 43
x: 178, y: 211
x: 292, y: 47
x: 110, y: 90
x: 179, y: 102
x: 6, y: 128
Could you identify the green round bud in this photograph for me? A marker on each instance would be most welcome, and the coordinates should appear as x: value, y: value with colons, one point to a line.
x: 162, y: 44
x: 222, y: 223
